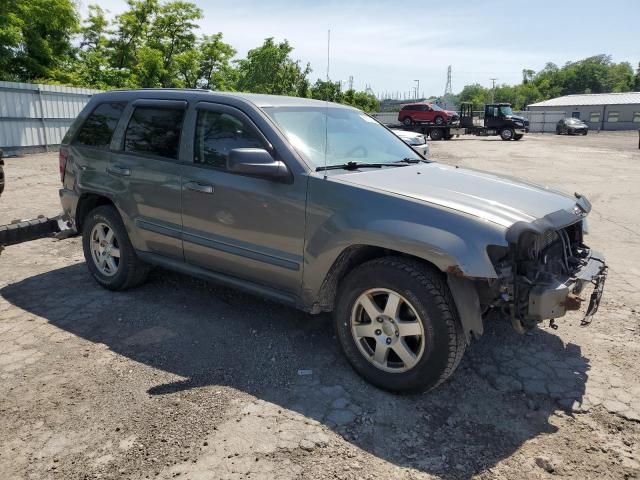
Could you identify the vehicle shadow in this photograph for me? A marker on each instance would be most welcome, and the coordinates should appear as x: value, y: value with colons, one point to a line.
x: 501, y: 396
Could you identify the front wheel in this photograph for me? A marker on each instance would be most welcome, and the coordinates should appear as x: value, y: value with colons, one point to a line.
x: 439, y: 120
x: 398, y: 326
x: 518, y: 136
x: 108, y: 252
x: 507, y: 134
x: 436, y: 134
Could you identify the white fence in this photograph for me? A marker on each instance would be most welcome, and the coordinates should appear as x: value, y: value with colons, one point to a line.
x: 542, y: 122
x: 34, y: 117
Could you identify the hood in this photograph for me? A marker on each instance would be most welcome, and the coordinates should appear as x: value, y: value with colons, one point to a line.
x: 515, y: 117
x: 500, y: 200
x: 408, y: 135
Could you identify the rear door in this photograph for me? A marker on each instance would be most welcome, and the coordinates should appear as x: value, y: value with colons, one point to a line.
x: 145, y: 175
x: 89, y: 150
x: 247, y: 227
x: 424, y: 113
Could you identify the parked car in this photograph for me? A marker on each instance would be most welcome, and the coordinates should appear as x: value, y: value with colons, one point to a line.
x: 319, y: 206
x: 415, y: 140
x: 571, y: 126
x: 1, y: 173
x: 425, y: 112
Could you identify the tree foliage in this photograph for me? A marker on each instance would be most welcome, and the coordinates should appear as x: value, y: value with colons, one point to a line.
x: 332, y: 92
x: 154, y: 43
x: 597, y: 74
x: 35, y: 37
x: 269, y: 68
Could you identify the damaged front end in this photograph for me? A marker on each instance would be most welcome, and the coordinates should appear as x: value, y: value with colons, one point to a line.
x: 544, y: 271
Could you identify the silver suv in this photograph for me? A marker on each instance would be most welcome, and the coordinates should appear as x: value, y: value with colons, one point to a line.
x: 320, y: 206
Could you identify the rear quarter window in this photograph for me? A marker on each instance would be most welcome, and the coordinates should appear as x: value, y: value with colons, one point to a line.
x: 98, y: 128
x: 154, y: 131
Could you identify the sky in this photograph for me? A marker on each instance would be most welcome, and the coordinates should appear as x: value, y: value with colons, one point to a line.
x: 390, y: 45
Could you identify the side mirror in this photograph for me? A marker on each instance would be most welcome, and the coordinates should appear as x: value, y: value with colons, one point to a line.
x: 256, y: 162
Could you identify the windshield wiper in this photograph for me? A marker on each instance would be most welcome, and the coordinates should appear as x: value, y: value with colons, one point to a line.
x: 412, y: 160
x: 357, y: 165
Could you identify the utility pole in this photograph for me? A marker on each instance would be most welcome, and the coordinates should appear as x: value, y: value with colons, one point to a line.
x: 350, y: 82
x: 417, y: 88
x: 493, y: 89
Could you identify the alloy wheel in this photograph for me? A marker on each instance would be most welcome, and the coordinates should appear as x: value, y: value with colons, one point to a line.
x: 105, y: 250
x: 387, y: 330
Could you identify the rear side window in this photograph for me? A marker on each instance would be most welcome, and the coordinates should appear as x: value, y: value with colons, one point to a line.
x: 154, y: 131
x: 98, y: 128
x: 217, y: 133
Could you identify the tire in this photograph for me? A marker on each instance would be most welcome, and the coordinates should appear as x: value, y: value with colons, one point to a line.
x: 518, y: 136
x: 585, y: 132
x: 507, y: 134
x: 407, y: 122
x: 558, y: 132
x: 129, y: 271
x: 421, y: 289
x: 439, y: 120
x: 436, y: 134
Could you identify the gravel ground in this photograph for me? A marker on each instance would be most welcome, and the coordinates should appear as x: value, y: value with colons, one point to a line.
x: 184, y: 379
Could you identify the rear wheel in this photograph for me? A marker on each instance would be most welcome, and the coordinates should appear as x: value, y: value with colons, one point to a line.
x: 507, y: 134
x: 108, y: 252
x: 397, y: 324
x: 585, y: 132
x: 436, y: 134
x: 407, y: 122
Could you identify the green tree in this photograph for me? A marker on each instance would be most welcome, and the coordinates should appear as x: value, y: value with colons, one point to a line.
x: 326, y: 90
x: 475, y: 94
x: 173, y: 34
x: 216, y: 72
x: 35, y: 37
x: 270, y: 69
x: 637, y: 79
x: 132, y: 29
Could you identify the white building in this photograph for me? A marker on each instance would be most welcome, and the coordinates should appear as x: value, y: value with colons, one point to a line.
x: 601, y: 111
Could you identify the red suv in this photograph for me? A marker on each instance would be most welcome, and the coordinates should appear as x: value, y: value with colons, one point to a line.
x: 425, y: 112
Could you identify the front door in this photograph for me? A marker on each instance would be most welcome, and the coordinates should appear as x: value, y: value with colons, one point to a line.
x: 145, y: 176
x: 247, y: 227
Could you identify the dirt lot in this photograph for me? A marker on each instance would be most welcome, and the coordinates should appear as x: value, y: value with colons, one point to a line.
x: 185, y: 379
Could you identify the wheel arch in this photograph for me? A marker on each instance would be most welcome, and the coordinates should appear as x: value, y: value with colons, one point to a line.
x: 463, y: 290
x: 88, y: 202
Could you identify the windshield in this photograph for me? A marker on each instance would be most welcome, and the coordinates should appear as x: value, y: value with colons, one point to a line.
x: 436, y: 107
x: 351, y: 136
x: 573, y: 121
x: 506, y: 110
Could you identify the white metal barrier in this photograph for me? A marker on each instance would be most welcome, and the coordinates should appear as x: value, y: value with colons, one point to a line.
x: 35, y: 116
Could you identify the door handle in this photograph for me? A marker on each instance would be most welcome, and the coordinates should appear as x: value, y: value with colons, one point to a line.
x: 119, y: 170
x: 199, y: 187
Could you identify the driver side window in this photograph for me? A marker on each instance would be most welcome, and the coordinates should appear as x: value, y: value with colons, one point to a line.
x: 217, y: 133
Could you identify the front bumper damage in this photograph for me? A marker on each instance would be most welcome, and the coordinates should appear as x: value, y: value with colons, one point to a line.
x: 553, y: 300
x: 547, y: 269
x: 20, y: 231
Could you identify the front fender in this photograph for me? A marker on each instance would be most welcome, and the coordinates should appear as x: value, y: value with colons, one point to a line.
x: 341, y: 215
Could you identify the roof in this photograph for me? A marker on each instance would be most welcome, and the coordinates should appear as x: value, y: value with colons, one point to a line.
x: 258, y: 99
x: 623, y: 98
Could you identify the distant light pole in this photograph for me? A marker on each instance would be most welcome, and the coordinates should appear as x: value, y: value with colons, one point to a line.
x: 417, y: 88
x: 493, y: 89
